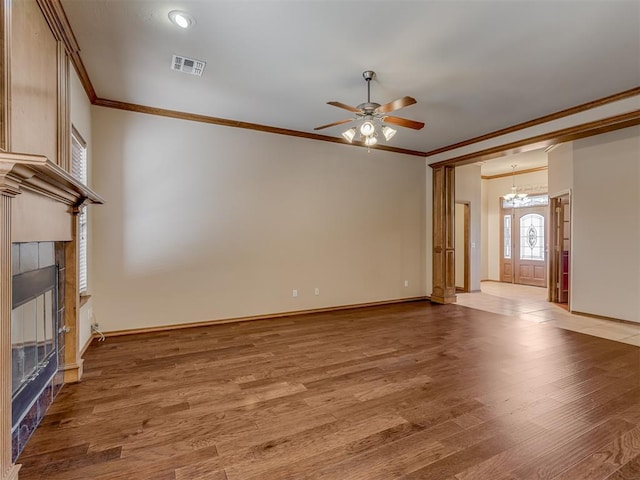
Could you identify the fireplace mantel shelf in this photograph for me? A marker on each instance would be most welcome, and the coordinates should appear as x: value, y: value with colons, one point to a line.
x: 37, y: 173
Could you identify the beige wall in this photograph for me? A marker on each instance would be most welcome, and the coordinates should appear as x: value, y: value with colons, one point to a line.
x: 80, y: 108
x: 205, y: 222
x: 469, y: 189
x: 492, y: 191
x: 606, y: 225
x: 560, y: 169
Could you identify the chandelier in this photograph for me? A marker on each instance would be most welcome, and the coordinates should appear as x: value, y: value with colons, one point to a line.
x: 513, y: 195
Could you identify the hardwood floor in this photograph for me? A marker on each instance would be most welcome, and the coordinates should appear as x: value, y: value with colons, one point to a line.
x: 412, y: 391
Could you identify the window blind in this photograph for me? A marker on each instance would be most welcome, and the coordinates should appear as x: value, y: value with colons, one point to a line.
x: 79, y: 172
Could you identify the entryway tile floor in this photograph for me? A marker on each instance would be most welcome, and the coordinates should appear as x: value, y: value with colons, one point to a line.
x: 530, y: 303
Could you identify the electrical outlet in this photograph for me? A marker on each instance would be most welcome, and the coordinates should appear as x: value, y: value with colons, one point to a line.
x: 95, y: 327
x: 406, y: 283
x: 317, y: 291
x: 294, y: 293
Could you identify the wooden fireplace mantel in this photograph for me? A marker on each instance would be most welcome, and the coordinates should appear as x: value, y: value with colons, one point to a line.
x: 47, y: 183
x: 38, y: 174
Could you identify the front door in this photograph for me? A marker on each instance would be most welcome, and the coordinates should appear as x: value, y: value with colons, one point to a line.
x: 530, y: 261
x: 524, y: 242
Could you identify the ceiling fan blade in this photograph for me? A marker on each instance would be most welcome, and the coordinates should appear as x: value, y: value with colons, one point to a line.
x: 396, y: 105
x: 334, y: 124
x: 404, y: 122
x: 345, y: 107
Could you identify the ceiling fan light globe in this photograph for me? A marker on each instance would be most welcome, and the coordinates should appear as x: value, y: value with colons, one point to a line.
x: 388, y: 132
x: 370, y: 141
x: 349, y: 134
x: 367, y: 129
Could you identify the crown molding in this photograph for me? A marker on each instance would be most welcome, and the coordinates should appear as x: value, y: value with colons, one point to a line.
x: 540, y: 120
x: 194, y: 117
x: 597, y: 127
x: 59, y: 23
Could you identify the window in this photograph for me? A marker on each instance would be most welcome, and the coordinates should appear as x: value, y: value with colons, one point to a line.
x: 530, y: 201
x: 79, y: 172
x: 507, y: 236
x: 532, y: 237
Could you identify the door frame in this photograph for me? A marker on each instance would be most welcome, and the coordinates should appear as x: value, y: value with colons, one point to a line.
x: 467, y: 246
x: 554, y: 267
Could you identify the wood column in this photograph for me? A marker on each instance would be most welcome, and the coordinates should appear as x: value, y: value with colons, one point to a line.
x: 5, y: 61
x: 64, y: 111
x: 444, y: 285
x: 8, y: 470
x: 72, y: 360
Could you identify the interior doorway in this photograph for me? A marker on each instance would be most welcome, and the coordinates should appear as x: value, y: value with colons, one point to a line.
x: 462, y: 246
x: 560, y: 240
x: 523, y: 241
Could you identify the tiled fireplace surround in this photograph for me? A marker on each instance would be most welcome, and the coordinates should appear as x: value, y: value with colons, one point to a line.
x: 30, y: 257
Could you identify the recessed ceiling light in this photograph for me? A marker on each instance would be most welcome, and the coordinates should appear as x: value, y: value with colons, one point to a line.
x: 181, y: 19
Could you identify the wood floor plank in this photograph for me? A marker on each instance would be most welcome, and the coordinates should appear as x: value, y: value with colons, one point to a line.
x: 477, y: 452
x: 500, y: 466
x: 411, y: 390
x: 554, y: 463
x: 608, y: 459
x: 629, y: 471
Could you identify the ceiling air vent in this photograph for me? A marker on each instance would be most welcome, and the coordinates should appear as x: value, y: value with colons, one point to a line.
x: 188, y: 65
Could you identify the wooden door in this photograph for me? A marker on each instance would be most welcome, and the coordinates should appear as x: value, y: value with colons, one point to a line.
x: 462, y: 246
x: 560, y: 230
x: 523, y: 241
x: 565, y: 236
x: 530, y: 246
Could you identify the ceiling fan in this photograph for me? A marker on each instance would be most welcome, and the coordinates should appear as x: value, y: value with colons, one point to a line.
x: 374, y: 116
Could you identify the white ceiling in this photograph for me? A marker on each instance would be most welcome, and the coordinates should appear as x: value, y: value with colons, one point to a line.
x: 474, y: 66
